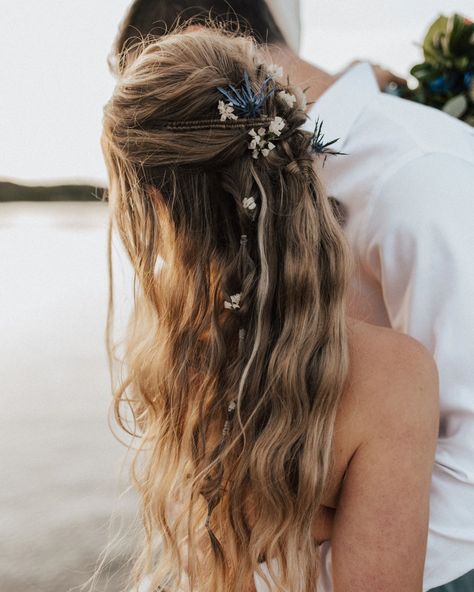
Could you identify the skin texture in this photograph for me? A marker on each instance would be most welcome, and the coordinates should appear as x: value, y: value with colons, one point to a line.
x: 376, y: 507
x: 385, y: 442
x: 315, y: 79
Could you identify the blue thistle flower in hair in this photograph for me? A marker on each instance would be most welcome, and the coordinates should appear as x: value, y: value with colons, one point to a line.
x: 245, y: 102
x: 319, y: 146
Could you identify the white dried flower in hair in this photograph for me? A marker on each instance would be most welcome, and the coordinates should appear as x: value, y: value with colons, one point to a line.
x: 276, y: 126
x: 234, y: 303
x: 226, y: 111
x: 259, y: 144
x: 257, y: 138
x: 249, y: 203
x: 266, y: 151
x: 274, y: 71
x: 301, y: 97
x: 287, y: 98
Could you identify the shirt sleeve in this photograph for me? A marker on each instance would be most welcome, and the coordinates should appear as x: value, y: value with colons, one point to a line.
x: 419, y: 245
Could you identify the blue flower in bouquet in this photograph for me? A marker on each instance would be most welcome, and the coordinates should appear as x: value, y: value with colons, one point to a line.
x: 439, y: 84
x: 444, y: 83
x: 446, y: 76
x: 469, y: 79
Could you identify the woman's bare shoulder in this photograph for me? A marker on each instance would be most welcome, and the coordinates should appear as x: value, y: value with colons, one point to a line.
x: 388, y: 429
x: 392, y: 379
x: 375, y: 347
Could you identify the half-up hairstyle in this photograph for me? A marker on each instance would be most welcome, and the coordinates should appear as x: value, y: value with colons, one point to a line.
x: 236, y: 353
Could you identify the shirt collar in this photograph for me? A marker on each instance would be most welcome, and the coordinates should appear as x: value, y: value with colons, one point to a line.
x: 340, y: 105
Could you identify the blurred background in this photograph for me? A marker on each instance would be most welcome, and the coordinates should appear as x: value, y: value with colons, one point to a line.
x: 62, y: 471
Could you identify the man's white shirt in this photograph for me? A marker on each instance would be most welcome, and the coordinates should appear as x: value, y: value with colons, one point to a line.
x: 407, y: 183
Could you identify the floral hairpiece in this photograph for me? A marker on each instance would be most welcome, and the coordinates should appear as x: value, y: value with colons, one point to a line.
x: 274, y: 71
x: 244, y: 102
x: 261, y: 142
x: 318, y: 146
x: 226, y: 111
x: 234, y: 303
x: 287, y: 98
x: 249, y: 203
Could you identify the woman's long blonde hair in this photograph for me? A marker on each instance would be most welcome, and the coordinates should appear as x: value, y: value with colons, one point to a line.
x: 176, y: 195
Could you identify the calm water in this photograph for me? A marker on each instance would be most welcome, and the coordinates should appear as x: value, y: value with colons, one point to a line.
x: 61, y: 469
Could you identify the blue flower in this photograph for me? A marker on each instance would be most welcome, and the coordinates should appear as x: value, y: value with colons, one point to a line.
x: 469, y: 79
x: 318, y: 145
x: 439, y: 84
x: 245, y: 102
x: 446, y: 82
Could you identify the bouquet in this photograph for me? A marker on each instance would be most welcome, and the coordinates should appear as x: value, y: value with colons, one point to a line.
x: 446, y: 76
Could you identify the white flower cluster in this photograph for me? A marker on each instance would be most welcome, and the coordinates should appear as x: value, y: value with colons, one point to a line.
x: 234, y: 303
x: 276, y: 126
x: 261, y: 139
x: 258, y: 144
x: 274, y: 71
x: 249, y: 203
x: 287, y: 98
x: 226, y: 111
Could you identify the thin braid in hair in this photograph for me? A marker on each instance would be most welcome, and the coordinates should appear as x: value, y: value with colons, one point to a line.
x: 215, y: 498
x: 261, y: 291
x: 203, y: 124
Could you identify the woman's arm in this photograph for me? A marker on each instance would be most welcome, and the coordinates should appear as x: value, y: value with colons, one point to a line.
x: 380, y: 527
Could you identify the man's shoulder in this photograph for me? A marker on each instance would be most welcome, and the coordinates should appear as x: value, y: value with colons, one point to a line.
x: 416, y: 128
x: 380, y: 136
x: 391, y: 137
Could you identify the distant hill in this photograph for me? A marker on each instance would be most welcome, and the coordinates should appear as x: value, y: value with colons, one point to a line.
x: 15, y: 192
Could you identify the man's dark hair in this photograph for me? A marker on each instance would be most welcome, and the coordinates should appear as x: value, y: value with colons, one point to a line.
x: 157, y: 17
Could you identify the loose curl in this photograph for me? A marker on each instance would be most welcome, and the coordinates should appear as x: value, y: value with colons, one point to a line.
x: 176, y: 194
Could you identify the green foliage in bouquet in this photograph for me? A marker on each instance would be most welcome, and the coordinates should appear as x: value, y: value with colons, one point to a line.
x: 446, y: 77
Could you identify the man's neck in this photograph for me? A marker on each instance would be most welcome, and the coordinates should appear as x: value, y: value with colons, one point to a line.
x: 303, y: 74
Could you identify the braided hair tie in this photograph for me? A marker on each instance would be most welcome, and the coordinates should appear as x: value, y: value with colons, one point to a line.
x: 233, y: 304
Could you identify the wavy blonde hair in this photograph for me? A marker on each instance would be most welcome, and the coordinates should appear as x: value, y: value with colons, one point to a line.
x: 176, y: 194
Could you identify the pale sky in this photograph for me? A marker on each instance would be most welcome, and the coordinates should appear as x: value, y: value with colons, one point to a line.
x: 54, y: 78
